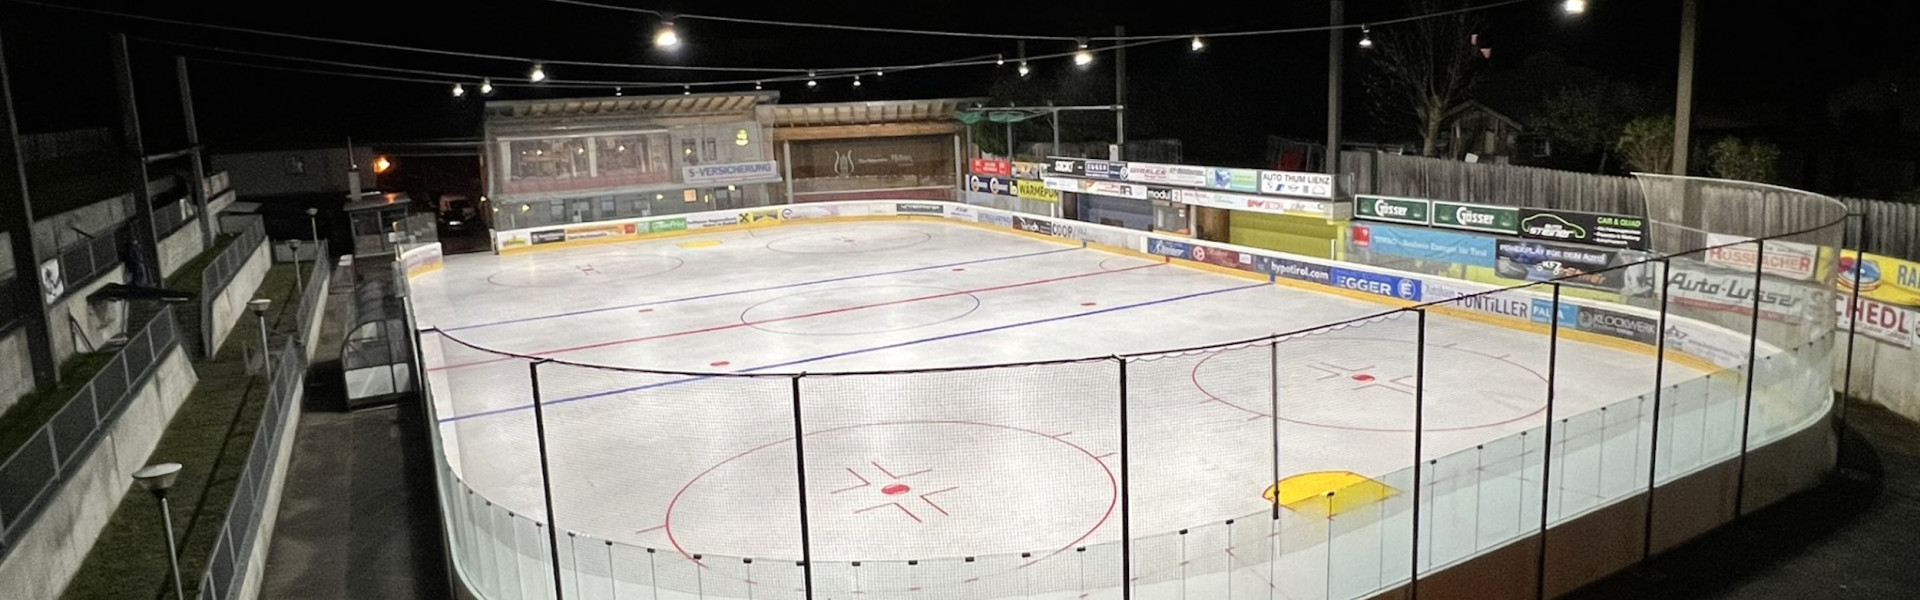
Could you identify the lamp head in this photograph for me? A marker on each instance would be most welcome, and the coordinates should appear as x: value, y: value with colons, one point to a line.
x: 313, y: 211
x: 259, y: 306
x: 157, y: 478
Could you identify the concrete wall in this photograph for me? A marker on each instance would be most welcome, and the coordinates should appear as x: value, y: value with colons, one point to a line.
x: 78, y: 325
x: 256, y: 560
x: 185, y: 244
x: 306, y: 171
x: 16, y: 368
x: 51, y: 550
x: 1883, y: 374
x: 233, y: 300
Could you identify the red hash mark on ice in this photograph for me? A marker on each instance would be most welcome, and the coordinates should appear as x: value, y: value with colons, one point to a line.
x: 653, y: 528
x: 719, y: 363
x: 916, y: 518
x: 856, y: 475
x: 587, y: 270
x: 927, y: 498
x: 890, y: 474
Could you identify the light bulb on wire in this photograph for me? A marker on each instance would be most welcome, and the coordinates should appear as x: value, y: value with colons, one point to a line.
x: 999, y: 60
x: 537, y: 74
x: 1083, y: 56
x: 459, y: 90
x: 666, y: 37
x: 879, y: 73
x: 686, y: 90
x: 1366, y: 37
x: 756, y: 86
x: 1197, y: 44
x: 811, y: 82
x: 618, y: 92
x: 856, y: 81
x: 1023, y: 69
x: 486, y: 86
x: 1574, y: 7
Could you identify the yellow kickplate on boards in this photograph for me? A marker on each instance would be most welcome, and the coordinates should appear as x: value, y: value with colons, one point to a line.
x: 699, y: 243
x: 1327, y: 493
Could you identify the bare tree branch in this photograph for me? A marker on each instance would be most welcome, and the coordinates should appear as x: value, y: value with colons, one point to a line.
x: 1424, y: 69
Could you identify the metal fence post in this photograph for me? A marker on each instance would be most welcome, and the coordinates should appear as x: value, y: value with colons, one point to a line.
x: 1126, y: 516
x: 1273, y: 407
x: 1853, y: 308
x: 1419, y: 434
x: 800, y: 471
x: 1659, y: 383
x: 1546, y: 456
x: 1753, y: 370
x: 546, y: 476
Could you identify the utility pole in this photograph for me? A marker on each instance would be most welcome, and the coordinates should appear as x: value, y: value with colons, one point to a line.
x: 1683, y: 105
x: 1336, y: 71
x: 16, y: 215
x: 143, y: 226
x: 195, y: 154
x: 1120, y: 92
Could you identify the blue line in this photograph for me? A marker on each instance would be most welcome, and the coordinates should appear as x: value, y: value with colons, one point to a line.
x: 858, y: 351
x: 749, y: 291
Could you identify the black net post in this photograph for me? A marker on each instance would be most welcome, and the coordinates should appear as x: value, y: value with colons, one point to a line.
x: 1126, y: 516
x: 546, y: 476
x: 1659, y: 385
x: 1273, y: 418
x: 1419, y: 434
x: 1853, y: 309
x: 800, y: 472
x: 1753, y: 368
x: 1546, y: 455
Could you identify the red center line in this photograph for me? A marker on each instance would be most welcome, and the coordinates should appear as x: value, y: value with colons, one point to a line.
x: 810, y: 315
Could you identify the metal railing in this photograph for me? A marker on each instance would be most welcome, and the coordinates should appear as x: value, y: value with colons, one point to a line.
x: 83, y: 262
x: 227, y: 567
x: 221, y: 271
x: 31, y: 475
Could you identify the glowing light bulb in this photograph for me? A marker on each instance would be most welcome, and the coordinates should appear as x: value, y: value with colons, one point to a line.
x: 1366, y: 37
x: 856, y: 81
x: 999, y: 60
x: 686, y: 91
x: 537, y: 74
x: 1197, y: 44
x: 1083, y: 56
x: 1574, y: 7
x: 810, y: 80
x: 666, y: 37
x: 1024, y: 70
x: 459, y: 90
x: 486, y: 87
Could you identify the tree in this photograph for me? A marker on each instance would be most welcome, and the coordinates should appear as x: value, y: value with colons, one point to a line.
x: 1646, y: 144
x: 1589, y: 119
x: 1424, y: 69
x: 1733, y: 158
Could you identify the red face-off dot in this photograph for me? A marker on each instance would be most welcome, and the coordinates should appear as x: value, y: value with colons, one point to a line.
x: 895, y: 489
x: 1362, y: 377
x: 719, y: 363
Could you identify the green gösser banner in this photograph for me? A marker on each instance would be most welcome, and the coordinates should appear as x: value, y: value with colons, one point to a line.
x: 1476, y: 217
x: 1393, y: 210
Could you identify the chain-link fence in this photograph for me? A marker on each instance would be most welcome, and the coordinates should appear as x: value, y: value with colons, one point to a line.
x: 217, y: 274
x: 1346, y: 460
x: 35, y: 471
x: 233, y: 549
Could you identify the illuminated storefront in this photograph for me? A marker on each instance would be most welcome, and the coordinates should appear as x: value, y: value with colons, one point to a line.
x: 907, y: 149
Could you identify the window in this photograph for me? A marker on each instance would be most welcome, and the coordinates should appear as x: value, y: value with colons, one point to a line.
x: 606, y: 207
x: 712, y: 152
x: 557, y: 211
x: 686, y: 153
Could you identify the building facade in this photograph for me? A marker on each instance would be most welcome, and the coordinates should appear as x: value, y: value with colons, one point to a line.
x: 897, y: 149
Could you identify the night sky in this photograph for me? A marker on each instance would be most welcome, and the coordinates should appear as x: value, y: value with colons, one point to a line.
x: 1769, y: 61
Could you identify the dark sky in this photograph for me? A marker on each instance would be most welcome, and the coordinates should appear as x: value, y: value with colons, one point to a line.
x: 1221, y: 102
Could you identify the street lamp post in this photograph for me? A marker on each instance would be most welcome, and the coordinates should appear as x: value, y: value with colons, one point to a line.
x: 313, y: 225
x: 156, y: 479
x: 299, y: 283
x: 259, y: 308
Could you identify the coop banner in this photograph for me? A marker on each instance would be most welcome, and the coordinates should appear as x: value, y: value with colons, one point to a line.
x: 1877, y: 320
x: 1882, y: 278
x: 1539, y: 261
x: 1424, y: 244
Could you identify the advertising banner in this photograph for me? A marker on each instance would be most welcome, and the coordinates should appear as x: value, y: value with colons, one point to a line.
x: 997, y: 219
x: 1577, y: 227
x: 1160, y: 193
x: 1295, y: 270
x: 1377, y: 284
x: 665, y: 225
x: 809, y: 211
x: 1168, y: 248
x: 1290, y: 183
x: 1503, y: 220
x: 991, y: 167
x: 1167, y: 174
x: 915, y: 208
x: 1061, y: 184
x: 1233, y: 180
x: 547, y: 236
x: 1035, y: 190
x: 588, y: 232
x: 1882, y: 278
x: 1540, y: 261
x: 1278, y: 206
x: 1425, y: 244
x: 1618, y: 324
x: 1878, y: 320
x: 998, y: 186
x: 1115, y: 189
x: 1068, y: 166
x: 1219, y: 257
x: 1786, y: 259
x: 1033, y: 225
x: 1733, y: 291
x: 963, y: 213
x: 710, y: 220
x: 1394, y: 210
x: 1506, y: 304
x: 1569, y: 313
x: 1028, y: 170
x: 763, y: 215
x: 731, y: 173
x: 1104, y: 169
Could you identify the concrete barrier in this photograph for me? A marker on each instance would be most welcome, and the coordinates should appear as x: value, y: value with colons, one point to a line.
x: 232, y: 300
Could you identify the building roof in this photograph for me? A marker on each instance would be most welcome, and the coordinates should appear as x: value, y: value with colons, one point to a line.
x: 673, y: 105
x: 863, y: 113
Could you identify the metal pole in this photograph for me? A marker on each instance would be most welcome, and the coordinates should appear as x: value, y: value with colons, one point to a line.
x: 266, y: 352
x: 173, y: 552
x: 1419, y: 434
x: 1753, y: 367
x: 1659, y: 381
x: 800, y: 471
x: 786, y: 149
x: 194, y: 153
x: 1336, y: 81
x: 546, y: 474
x: 1273, y: 408
x: 1009, y: 140
x: 1853, y: 324
x: 1546, y: 457
x: 1126, y: 519
x: 299, y: 283
x: 1683, y: 104
x: 16, y: 213
x: 1120, y: 93
x: 1056, y: 130
x: 143, y: 234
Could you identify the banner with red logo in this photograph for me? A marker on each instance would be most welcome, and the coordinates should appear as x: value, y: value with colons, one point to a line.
x: 991, y: 167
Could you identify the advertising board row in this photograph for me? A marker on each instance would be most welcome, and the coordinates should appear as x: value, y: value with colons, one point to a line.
x: 1259, y: 181
x: 1597, y: 229
x: 1212, y: 199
